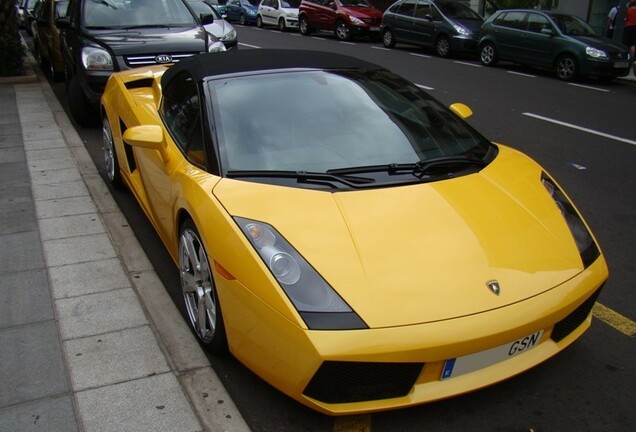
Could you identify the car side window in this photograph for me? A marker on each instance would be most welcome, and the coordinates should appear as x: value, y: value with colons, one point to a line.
x: 423, y: 9
x: 181, y: 112
x: 537, y: 22
x: 513, y: 20
x: 407, y: 7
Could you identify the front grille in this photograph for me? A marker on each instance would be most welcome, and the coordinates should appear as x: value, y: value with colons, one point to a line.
x: 344, y: 382
x: 151, y: 59
x: 575, y: 319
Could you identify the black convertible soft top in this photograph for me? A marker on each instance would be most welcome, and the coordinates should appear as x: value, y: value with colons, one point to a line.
x: 248, y: 60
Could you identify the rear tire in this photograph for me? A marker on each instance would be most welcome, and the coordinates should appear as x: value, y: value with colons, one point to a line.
x: 242, y: 19
x: 259, y: 21
x: 281, y: 25
x: 110, y: 156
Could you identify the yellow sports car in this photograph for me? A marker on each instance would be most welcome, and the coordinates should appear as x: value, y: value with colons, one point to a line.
x: 352, y: 241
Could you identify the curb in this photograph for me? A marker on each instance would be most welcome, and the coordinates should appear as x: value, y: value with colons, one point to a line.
x: 208, y: 399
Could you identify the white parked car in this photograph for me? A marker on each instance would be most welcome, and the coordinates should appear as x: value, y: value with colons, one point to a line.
x: 281, y: 13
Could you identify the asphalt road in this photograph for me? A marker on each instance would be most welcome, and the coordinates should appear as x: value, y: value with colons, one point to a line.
x: 591, y: 152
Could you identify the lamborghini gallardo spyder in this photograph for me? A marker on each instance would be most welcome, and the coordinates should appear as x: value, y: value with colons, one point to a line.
x: 348, y: 238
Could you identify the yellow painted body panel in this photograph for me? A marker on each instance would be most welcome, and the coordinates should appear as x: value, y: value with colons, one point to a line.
x: 412, y: 261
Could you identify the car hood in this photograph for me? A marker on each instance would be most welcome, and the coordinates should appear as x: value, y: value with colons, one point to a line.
x: 604, y: 44
x: 152, y: 40
x: 422, y: 253
x: 362, y: 12
x: 472, y: 25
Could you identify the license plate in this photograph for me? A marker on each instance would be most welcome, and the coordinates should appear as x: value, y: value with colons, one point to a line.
x: 375, y: 29
x: 621, y: 64
x: 472, y: 362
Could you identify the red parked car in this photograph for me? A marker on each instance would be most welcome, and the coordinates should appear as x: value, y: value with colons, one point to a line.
x: 346, y: 18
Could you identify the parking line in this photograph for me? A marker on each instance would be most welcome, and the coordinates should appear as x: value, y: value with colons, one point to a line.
x: 347, y: 43
x: 467, y: 64
x: 420, y: 55
x: 353, y: 423
x: 589, y: 87
x: 614, y: 319
x: 380, y: 48
x: 592, y: 131
x: 522, y: 74
x: 248, y: 45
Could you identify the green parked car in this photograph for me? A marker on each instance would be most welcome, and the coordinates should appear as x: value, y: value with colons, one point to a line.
x: 557, y: 41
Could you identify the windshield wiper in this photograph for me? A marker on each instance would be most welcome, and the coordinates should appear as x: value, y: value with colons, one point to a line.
x: 418, y: 169
x: 303, y: 176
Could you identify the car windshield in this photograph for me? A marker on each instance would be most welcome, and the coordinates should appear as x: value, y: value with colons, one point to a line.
x: 290, y: 3
x: 136, y: 13
x: 573, y: 26
x: 333, y: 120
x: 359, y: 3
x: 457, y: 10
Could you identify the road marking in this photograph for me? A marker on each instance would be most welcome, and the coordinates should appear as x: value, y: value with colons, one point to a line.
x: 522, y: 74
x: 354, y: 423
x: 248, y: 45
x: 592, y: 131
x: 380, y: 48
x: 467, y: 64
x: 318, y: 38
x: 424, y: 87
x: 589, y: 87
x: 614, y: 319
x: 420, y: 55
x: 347, y: 43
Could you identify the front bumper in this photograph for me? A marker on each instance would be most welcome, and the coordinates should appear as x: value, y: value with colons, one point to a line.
x: 348, y: 372
x: 464, y: 44
x: 605, y: 68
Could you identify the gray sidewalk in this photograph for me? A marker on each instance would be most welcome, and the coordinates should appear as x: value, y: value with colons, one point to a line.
x: 89, y: 338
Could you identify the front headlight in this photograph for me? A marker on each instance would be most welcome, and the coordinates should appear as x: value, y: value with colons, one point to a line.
x: 229, y: 36
x: 216, y: 47
x: 582, y: 237
x: 251, y: 12
x: 356, y: 21
x: 596, y: 53
x: 315, y: 300
x: 461, y: 30
x: 94, y: 58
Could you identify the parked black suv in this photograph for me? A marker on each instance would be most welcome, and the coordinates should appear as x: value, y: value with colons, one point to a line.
x: 100, y: 37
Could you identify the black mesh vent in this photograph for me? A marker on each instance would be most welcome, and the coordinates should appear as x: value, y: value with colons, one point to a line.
x: 575, y: 319
x: 343, y: 382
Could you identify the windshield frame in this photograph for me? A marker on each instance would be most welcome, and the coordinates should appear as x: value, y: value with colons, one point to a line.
x: 100, y: 14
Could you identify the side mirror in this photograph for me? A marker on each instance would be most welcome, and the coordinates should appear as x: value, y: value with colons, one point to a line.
x: 147, y: 136
x: 332, y: 5
x: 428, y: 17
x: 461, y: 110
x: 547, y: 31
x: 206, y: 19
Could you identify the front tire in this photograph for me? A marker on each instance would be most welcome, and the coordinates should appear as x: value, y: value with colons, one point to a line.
x: 566, y: 68
x: 110, y: 156
x: 442, y: 46
x: 199, y: 291
x: 281, y: 25
x: 388, y: 39
x: 82, y: 111
x: 488, y: 55
x: 242, y: 19
x: 259, y: 21
x: 303, y: 26
x: 342, y: 31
